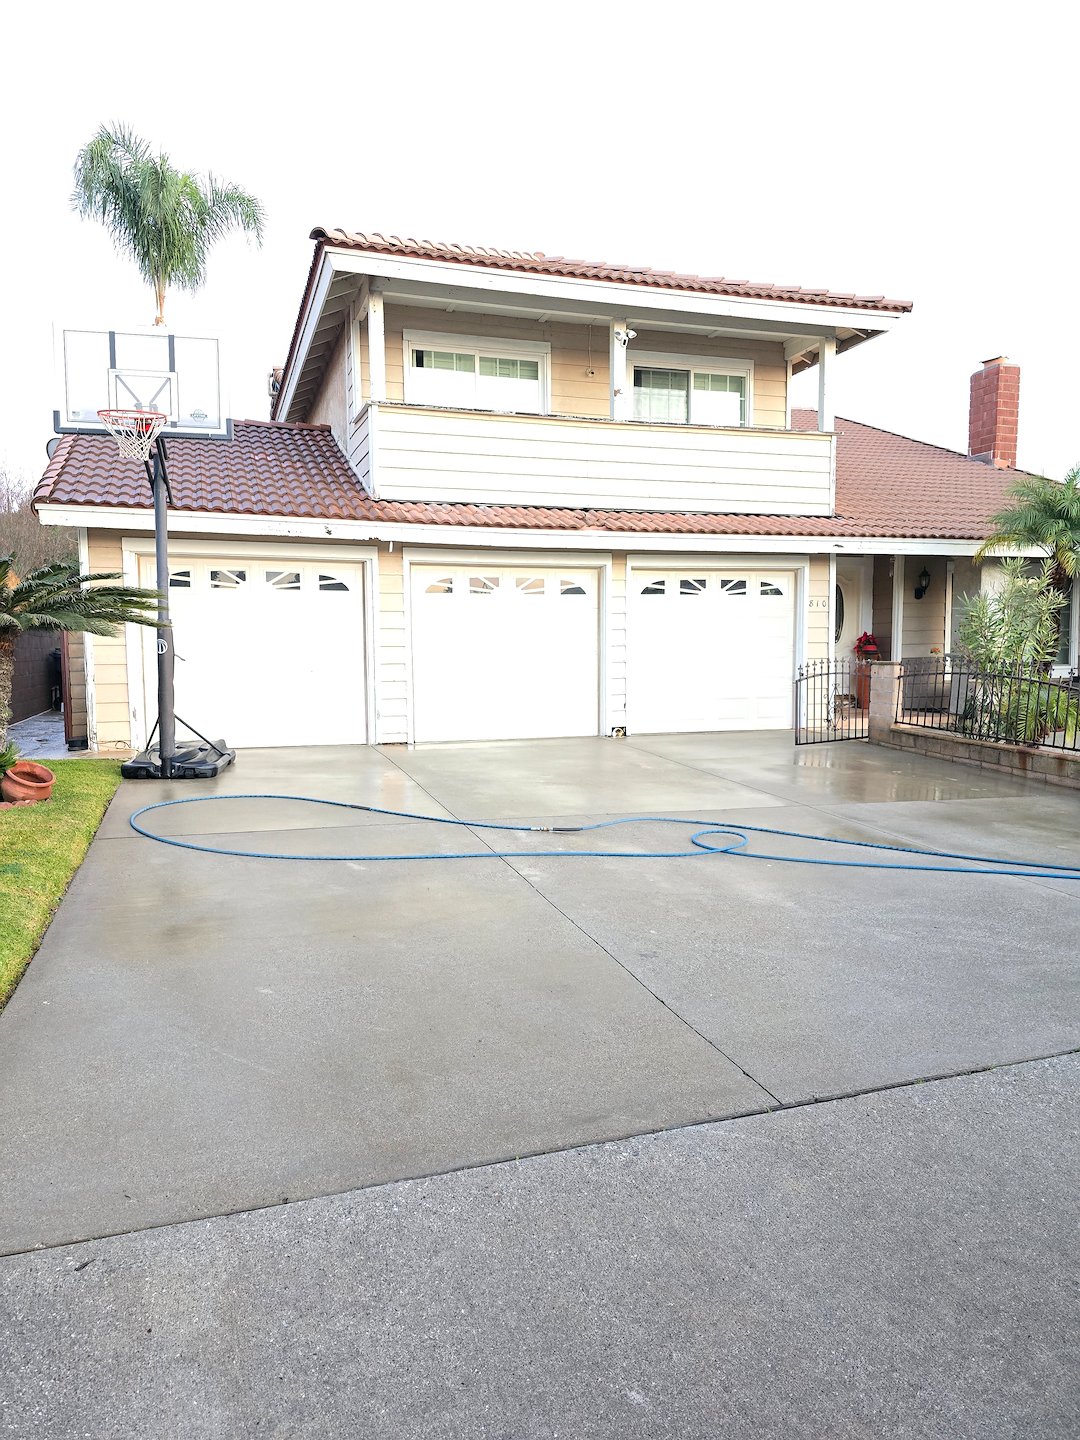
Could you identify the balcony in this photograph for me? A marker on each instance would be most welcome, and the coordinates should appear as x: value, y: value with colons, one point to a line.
x: 415, y: 452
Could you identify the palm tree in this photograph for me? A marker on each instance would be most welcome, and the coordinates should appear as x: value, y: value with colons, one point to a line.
x: 167, y: 219
x: 58, y: 597
x: 1043, y: 514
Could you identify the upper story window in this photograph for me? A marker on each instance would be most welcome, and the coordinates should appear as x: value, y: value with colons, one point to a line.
x: 702, y: 393
x: 476, y: 373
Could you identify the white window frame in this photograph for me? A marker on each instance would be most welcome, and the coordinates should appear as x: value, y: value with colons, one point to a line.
x: 478, y: 345
x: 703, y: 365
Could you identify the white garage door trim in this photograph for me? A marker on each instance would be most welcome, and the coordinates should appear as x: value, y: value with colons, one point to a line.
x: 138, y: 547
x: 599, y: 565
x: 744, y: 564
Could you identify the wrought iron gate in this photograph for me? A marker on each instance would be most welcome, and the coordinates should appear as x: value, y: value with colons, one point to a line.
x: 832, y: 701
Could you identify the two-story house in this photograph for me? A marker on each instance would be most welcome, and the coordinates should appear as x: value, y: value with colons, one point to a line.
x: 505, y: 495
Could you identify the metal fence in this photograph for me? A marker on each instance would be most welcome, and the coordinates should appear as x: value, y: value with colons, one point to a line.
x: 1025, y: 705
x: 832, y: 701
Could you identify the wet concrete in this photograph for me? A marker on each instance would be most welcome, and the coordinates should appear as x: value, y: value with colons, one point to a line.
x: 200, y: 1035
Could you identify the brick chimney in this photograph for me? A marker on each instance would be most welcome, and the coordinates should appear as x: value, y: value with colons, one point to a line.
x: 994, y: 413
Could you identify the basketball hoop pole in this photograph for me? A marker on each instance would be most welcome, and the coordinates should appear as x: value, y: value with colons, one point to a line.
x: 166, y: 658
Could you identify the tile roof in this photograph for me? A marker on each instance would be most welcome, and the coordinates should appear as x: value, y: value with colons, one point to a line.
x: 886, y: 485
x: 537, y: 263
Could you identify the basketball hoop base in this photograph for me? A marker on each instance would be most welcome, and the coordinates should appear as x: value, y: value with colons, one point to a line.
x: 191, y: 762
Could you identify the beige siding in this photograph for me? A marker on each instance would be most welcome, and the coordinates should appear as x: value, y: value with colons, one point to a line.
x: 924, y: 620
x: 819, y: 615
x: 577, y: 350
x: 459, y: 455
x: 330, y: 405
x: 391, y: 652
x: 967, y: 582
x: 108, y: 658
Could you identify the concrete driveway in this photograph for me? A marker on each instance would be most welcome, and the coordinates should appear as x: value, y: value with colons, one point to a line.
x: 203, y: 1037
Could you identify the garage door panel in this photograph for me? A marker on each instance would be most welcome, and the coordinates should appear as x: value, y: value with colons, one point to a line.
x: 711, y: 651
x: 504, y: 652
x: 268, y: 653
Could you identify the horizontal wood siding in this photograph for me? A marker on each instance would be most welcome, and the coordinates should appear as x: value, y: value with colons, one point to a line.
x: 75, y: 723
x: 580, y: 374
x: 112, y: 708
x: 330, y: 406
x: 820, y: 612
x: 924, y: 620
x: 359, y: 449
x: 440, y: 455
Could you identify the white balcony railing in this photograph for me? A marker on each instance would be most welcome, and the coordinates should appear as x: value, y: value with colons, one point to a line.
x: 413, y: 452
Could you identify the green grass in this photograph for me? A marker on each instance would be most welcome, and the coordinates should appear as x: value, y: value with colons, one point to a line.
x: 41, y: 847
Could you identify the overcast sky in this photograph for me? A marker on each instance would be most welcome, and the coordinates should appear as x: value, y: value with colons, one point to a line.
x: 926, y: 152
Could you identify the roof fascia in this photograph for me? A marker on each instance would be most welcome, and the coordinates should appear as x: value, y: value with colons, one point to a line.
x: 130, y: 518
x: 621, y: 298
x: 316, y: 299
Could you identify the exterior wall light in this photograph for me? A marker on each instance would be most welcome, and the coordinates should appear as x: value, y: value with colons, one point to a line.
x: 922, y: 584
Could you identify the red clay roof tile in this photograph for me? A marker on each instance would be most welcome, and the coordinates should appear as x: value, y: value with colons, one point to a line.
x: 537, y: 263
x: 886, y: 485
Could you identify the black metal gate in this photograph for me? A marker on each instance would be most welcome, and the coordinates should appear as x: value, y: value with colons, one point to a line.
x: 832, y: 701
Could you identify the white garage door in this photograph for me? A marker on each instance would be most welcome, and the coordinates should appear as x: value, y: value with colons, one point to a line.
x: 268, y: 652
x: 711, y: 651
x: 504, y: 653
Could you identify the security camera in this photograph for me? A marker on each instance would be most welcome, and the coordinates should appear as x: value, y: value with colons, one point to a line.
x: 631, y: 334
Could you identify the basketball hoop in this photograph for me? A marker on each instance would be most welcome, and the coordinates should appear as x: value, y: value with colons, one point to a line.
x: 134, y: 430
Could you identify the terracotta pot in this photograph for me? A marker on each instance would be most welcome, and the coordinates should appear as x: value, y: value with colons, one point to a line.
x: 27, y: 781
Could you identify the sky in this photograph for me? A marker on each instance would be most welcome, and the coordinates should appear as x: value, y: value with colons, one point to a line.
x: 924, y: 152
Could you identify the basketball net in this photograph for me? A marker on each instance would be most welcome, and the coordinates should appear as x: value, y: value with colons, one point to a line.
x: 134, y: 430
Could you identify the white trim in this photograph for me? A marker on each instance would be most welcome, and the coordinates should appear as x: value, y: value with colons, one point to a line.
x: 376, y: 342
x: 88, y: 650
x: 311, y: 317
x: 620, y: 384
x: 492, y: 344
x: 699, y: 364
x: 799, y: 565
x: 552, y: 560
x: 831, y: 608
x: 139, y: 547
x: 624, y: 297
x: 117, y: 517
x: 896, y: 644
x: 1074, y: 638
x: 826, y: 416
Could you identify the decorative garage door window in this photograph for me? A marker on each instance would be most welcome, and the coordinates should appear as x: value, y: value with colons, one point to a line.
x: 732, y: 587
x: 770, y: 588
x: 442, y: 586
x: 570, y: 587
x: 654, y: 587
x: 179, y: 579
x: 331, y: 582
x: 531, y: 584
x: 283, y: 579
x: 227, y: 579
x: 692, y: 587
x: 483, y: 584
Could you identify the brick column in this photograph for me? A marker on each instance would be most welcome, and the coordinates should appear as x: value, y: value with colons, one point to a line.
x: 884, y: 690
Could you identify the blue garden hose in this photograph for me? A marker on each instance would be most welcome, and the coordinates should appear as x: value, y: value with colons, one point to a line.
x: 701, y: 842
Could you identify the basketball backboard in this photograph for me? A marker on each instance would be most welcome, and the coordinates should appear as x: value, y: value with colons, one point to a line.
x: 139, y: 370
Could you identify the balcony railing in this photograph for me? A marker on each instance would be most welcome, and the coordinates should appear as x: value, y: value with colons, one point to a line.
x: 1022, y: 705
x: 419, y: 452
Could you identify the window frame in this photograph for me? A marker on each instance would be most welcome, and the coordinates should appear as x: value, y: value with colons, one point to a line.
x: 477, y: 345
x: 694, y: 364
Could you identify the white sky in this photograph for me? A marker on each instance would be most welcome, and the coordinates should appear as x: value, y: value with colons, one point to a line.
x: 926, y: 152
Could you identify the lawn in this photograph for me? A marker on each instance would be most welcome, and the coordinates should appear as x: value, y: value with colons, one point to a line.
x: 41, y: 847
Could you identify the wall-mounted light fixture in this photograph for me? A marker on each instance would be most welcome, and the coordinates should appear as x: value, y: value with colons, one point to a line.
x: 922, y: 584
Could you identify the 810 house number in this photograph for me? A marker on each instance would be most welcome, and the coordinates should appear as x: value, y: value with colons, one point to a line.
x: 817, y: 604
